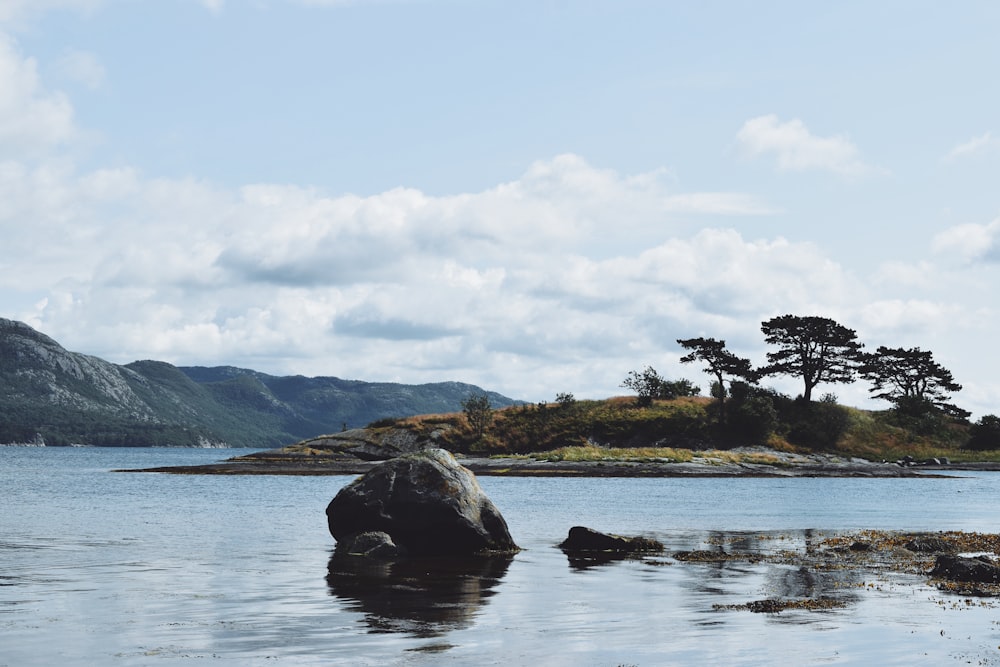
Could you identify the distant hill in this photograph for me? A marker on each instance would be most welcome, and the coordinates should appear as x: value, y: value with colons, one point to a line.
x: 51, y: 395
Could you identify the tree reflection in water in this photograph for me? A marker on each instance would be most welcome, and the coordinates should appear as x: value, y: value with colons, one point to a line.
x: 425, y: 597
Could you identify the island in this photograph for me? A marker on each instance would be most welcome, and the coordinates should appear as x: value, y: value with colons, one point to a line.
x: 618, y: 437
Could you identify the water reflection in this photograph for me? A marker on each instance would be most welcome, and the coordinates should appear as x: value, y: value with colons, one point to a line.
x: 789, y: 570
x: 425, y: 597
x: 765, y: 571
x: 586, y: 560
x: 803, y: 582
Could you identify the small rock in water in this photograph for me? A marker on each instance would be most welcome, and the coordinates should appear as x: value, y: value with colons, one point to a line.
x: 581, y: 538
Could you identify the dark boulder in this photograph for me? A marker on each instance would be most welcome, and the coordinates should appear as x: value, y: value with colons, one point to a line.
x: 426, y: 502
x: 586, y: 539
x: 930, y: 545
x: 958, y: 568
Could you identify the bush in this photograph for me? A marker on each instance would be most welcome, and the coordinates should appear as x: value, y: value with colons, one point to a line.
x: 919, y: 416
x: 682, y: 387
x: 754, y: 418
x: 984, y: 434
x: 383, y: 422
x: 649, y: 385
x: 751, y: 411
x: 817, y: 425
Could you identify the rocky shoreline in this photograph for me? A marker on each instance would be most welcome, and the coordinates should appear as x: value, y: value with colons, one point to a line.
x: 356, y: 451
x: 285, y: 462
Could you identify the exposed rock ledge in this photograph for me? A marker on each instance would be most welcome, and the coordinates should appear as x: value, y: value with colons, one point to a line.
x: 355, y: 452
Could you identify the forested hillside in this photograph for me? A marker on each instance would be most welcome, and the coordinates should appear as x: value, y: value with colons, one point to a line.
x: 53, y: 396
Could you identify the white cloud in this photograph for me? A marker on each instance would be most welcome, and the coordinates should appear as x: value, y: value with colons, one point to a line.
x: 722, y: 203
x: 512, y: 287
x: 83, y: 67
x: 971, y: 242
x: 214, y: 6
x: 12, y: 11
x: 984, y: 143
x: 904, y: 274
x: 906, y: 315
x: 797, y: 149
x: 32, y: 120
x: 471, y: 286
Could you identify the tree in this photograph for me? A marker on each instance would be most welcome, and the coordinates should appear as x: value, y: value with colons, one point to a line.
x: 910, y: 377
x: 985, y: 434
x: 817, y: 349
x: 752, y: 411
x: 647, y: 385
x: 566, y: 400
x: 719, y: 362
x: 478, y: 412
x: 681, y: 387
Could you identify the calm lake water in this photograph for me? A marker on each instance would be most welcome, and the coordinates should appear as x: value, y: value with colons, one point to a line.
x: 102, y: 568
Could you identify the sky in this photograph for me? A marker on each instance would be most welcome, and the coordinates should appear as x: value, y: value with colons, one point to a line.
x: 535, y: 197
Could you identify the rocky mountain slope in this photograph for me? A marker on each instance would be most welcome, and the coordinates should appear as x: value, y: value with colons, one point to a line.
x: 53, y: 396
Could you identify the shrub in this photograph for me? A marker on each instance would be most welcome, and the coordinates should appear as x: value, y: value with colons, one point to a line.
x: 649, y: 385
x: 817, y: 425
x: 383, y: 423
x: 753, y: 417
x: 984, y: 434
x: 918, y: 415
x: 683, y: 387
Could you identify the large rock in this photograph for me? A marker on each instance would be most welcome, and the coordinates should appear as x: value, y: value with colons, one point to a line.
x: 958, y: 568
x: 426, y: 502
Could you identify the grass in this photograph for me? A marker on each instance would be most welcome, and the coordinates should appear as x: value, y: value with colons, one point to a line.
x: 682, y: 430
x: 869, y: 436
x: 585, y: 453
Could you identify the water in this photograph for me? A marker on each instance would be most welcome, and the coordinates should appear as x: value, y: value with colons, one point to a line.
x: 102, y: 568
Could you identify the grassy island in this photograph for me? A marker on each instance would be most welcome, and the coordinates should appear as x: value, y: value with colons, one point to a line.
x: 762, y: 436
x: 687, y: 428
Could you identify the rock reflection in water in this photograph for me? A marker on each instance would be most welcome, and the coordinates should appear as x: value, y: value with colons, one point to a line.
x: 587, y: 560
x: 804, y: 582
x: 791, y: 568
x: 425, y: 597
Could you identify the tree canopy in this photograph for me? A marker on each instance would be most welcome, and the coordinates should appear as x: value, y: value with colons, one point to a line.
x: 479, y: 412
x: 718, y: 361
x: 900, y: 375
x: 816, y: 349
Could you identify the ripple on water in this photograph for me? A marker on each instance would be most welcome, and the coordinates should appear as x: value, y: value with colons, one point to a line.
x: 116, y: 569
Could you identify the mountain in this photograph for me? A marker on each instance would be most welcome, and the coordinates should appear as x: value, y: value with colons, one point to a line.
x: 53, y: 396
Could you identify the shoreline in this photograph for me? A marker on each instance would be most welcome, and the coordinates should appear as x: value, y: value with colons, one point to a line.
x: 282, y: 463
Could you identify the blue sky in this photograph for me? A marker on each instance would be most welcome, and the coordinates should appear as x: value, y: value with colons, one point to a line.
x: 536, y: 197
